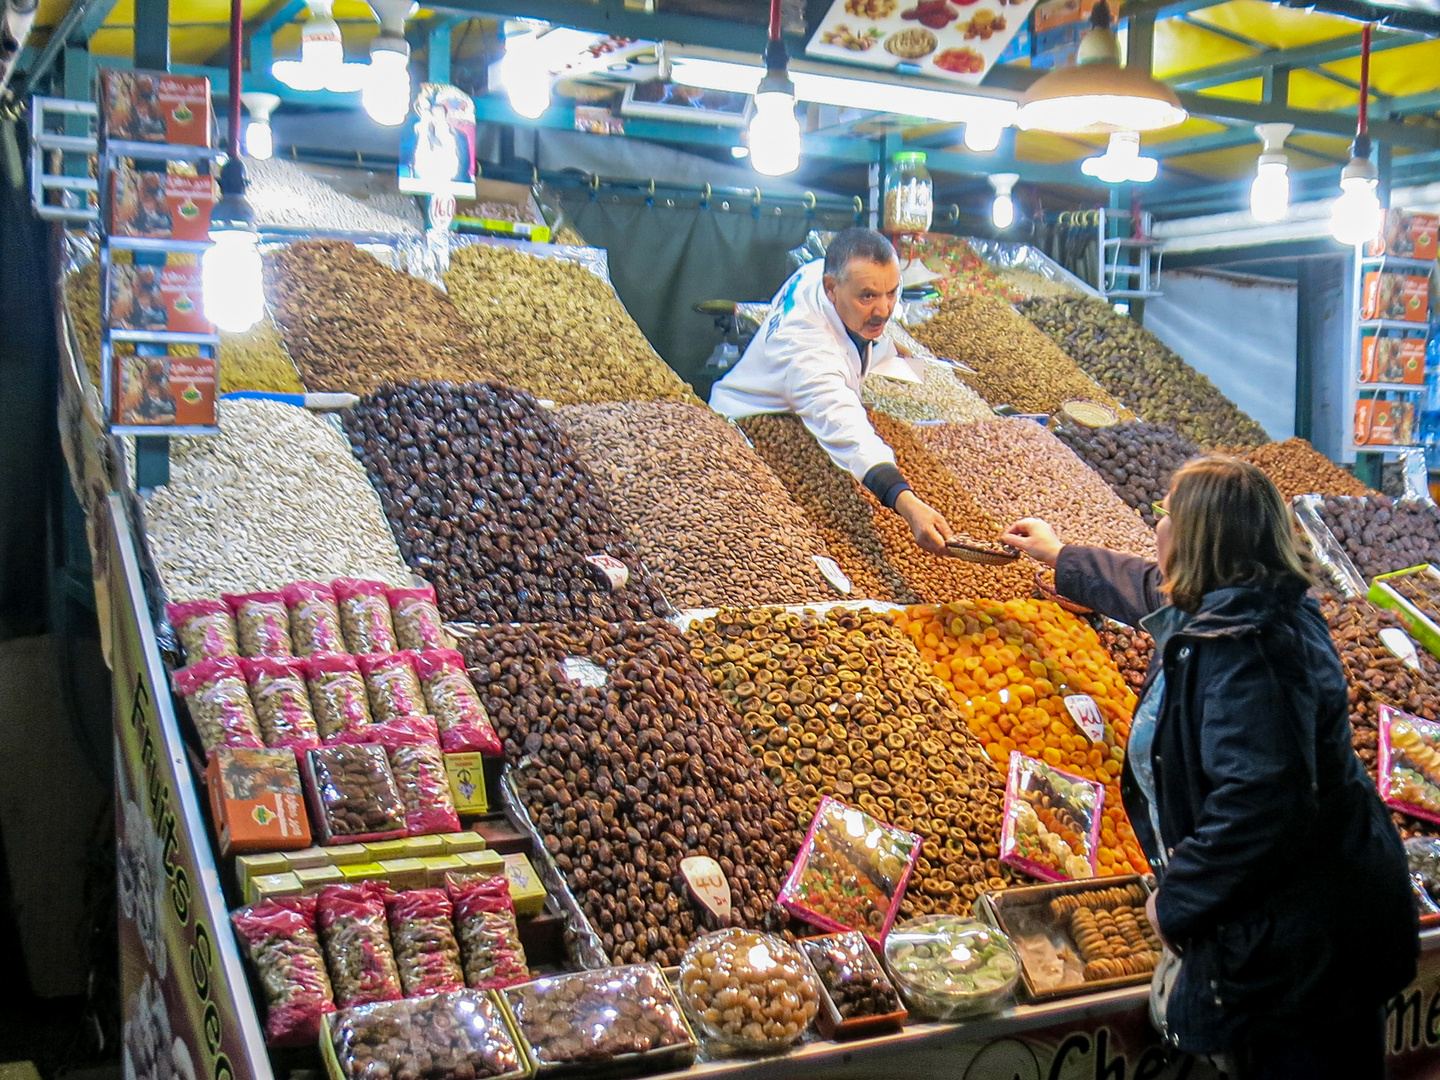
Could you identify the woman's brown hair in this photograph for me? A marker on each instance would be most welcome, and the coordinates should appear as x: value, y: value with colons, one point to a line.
x: 1229, y: 526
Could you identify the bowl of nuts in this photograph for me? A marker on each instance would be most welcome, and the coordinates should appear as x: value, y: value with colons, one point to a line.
x: 747, y: 991
x: 949, y: 967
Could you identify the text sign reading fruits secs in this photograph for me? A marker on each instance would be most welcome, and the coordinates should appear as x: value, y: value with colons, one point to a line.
x: 959, y: 40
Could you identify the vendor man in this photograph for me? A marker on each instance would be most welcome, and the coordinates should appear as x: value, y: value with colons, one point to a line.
x: 823, y: 335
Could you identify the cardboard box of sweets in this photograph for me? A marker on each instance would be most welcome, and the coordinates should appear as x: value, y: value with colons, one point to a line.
x: 1384, y: 423
x: 154, y: 106
x: 1396, y: 296
x: 257, y: 800
x: 1408, y: 235
x: 169, y: 204
x: 157, y: 293
x: 1384, y: 358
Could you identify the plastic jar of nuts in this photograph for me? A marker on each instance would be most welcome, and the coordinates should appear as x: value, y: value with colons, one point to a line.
x: 750, y: 991
x: 909, y: 195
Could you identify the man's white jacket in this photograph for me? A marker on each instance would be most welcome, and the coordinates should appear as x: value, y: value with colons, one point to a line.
x: 802, y: 361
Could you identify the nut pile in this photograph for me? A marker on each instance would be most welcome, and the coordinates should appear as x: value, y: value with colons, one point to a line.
x: 556, y: 329
x: 843, y: 705
x: 938, y: 396
x: 284, y: 193
x: 1381, y: 534
x: 352, y: 323
x: 1008, y: 668
x: 752, y: 990
x: 1017, y: 364
x: 1028, y: 285
x: 1132, y: 363
x: 1297, y: 468
x: 275, y: 497
x: 632, y: 776
x: 489, y: 503
x: 1015, y: 468
x: 1131, y: 650
x: 1135, y: 459
x: 712, y: 522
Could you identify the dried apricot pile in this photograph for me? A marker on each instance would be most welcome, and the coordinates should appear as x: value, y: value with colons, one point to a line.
x: 1009, y: 666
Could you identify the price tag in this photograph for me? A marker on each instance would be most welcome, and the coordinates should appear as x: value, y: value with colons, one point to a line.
x: 707, y: 884
x: 1399, y: 643
x: 615, y: 571
x: 442, y: 211
x: 1087, y: 716
x: 578, y: 669
x: 833, y: 574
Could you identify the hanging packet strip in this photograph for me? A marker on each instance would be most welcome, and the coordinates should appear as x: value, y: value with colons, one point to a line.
x: 1052, y: 819
x: 280, y: 939
x: 1410, y: 764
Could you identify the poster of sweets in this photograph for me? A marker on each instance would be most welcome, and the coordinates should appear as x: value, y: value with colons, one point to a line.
x: 957, y: 40
x: 169, y: 204
x: 152, y: 387
x: 153, y: 106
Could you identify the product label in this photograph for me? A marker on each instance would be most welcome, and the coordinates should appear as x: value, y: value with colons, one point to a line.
x: 707, y: 884
x: 615, y: 571
x: 466, y: 770
x: 1087, y: 716
x: 833, y: 574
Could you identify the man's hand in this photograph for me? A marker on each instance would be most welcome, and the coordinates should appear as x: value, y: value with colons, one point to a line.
x: 1035, y: 538
x: 927, y: 524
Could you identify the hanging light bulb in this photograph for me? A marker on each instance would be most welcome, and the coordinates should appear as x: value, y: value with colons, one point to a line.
x: 774, y: 130
x: 983, y: 136
x: 1356, y: 216
x: 525, y: 74
x: 1122, y: 162
x: 230, y: 269
x: 1002, y: 210
x: 1270, y: 191
x: 322, y: 64
x: 386, y: 95
x: 259, y: 139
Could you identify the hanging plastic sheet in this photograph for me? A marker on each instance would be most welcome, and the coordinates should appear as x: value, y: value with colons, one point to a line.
x: 1328, y: 551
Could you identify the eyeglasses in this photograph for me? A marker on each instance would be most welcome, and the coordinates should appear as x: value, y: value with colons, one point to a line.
x: 1159, y: 509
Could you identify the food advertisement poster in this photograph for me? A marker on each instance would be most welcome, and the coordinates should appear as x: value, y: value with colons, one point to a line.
x: 437, y: 143
x: 958, y: 40
x: 155, y: 388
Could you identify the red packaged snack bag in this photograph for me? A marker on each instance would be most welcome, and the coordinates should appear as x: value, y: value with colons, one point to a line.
x: 450, y: 697
x: 423, y: 936
x: 279, y: 937
x: 365, y: 616
x: 417, y: 619
x: 393, y: 685
x: 219, y: 703
x: 281, y: 700
x: 337, y: 693
x: 352, y: 795
x: 419, y: 768
x: 205, y: 628
x: 262, y: 623
x: 357, y: 943
x: 490, y: 949
x: 314, y: 618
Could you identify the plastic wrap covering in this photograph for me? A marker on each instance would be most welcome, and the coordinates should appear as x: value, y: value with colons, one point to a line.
x: 456, y: 1036
x: 1326, y: 549
x: 1417, y: 476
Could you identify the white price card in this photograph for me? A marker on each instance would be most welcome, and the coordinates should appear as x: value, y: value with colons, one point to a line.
x: 584, y: 672
x: 1087, y: 716
x: 833, y: 574
x: 615, y: 571
x: 707, y: 884
x: 1399, y: 643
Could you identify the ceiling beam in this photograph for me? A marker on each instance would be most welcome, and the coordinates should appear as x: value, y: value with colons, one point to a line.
x: 614, y: 18
x: 1305, y: 56
x: 1326, y: 123
x: 76, y: 28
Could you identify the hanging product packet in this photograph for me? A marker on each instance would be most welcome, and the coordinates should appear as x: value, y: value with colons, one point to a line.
x: 282, y: 701
x: 851, y: 872
x: 219, y: 703
x: 1051, y: 828
x: 490, y: 949
x: 314, y: 618
x: 422, y: 934
x: 416, y: 617
x: 337, y: 694
x: 451, y: 698
x: 413, y: 748
x: 365, y: 616
x: 206, y: 629
x: 280, y: 939
x: 393, y: 685
x: 352, y: 793
x: 356, y: 936
x: 1410, y: 764
x: 262, y: 623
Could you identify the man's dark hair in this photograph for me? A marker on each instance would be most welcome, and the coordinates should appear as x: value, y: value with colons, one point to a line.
x: 850, y: 244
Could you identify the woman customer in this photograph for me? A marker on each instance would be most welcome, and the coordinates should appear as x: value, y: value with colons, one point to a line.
x: 1282, y: 881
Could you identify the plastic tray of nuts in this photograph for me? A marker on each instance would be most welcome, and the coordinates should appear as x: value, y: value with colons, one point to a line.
x: 464, y: 1035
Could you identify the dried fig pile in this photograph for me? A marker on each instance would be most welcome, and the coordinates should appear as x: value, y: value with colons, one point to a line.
x: 1135, y: 459
x: 1381, y: 534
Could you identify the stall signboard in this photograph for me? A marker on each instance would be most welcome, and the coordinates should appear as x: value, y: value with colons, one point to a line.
x: 437, y: 143
x: 954, y: 40
x: 185, y: 1004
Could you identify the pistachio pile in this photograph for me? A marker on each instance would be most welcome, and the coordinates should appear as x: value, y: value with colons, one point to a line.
x: 938, y: 396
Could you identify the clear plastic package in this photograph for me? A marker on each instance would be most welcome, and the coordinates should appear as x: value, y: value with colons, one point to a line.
x: 490, y: 949
x: 393, y: 685
x: 1410, y: 764
x: 858, y: 988
x: 413, y: 749
x: 314, y: 618
x: 352, y: 794
x: 422, y: 934
x: 337, y: 694
x: 280, y: 939
x: 456, y: 1036
x: 851, y: 871
x: 948, y: 967
x: 617, y: 1016
x: 351, y: 920
x: 451, y: 698
x: 206, y: 629
x: 1051, y: 828
x: 262, y: 623
x: 747, y: 990
x: 219, y: 703
x: 365, y: 616
x: 416, y: 618
x: 282, y: 701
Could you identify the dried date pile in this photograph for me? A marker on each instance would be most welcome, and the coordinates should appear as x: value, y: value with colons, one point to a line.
x: 1135, y: 366
x: 1131, y: 650
x: 1135, y: 459
x: 1297, y: 468
x: 489, y: 503
x: 633, y: 774
x: 712, y: 522
x: 1381, y: 534
x: 844, y: 705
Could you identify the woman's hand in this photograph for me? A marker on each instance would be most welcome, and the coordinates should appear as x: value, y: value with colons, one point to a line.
x: 1035, y: 538
x: 1153, y: 918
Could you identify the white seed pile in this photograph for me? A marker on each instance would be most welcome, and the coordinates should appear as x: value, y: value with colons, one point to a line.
x: 282, y: 193
x: 939, y: 396
x: 276, y: 497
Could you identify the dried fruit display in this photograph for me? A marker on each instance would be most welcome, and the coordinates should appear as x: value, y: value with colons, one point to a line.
x: 639, y: 764
x: 962, y: 272
x: 712, y: 522
x: 490, y: 504
x: 556, y: 329
x: 1381, y: 534
x: 1136, y: 459
x: 1297, y: 468
x: 1009, y: 668
x: 1131, y: 650
x: 1015, y: 468
x: 1017, y: 364
x: 1135, y: 366
x: 938, y: 396
x: 842, y: 705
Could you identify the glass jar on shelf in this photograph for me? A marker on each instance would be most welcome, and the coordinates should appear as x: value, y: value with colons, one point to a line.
x: 909, y: 195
